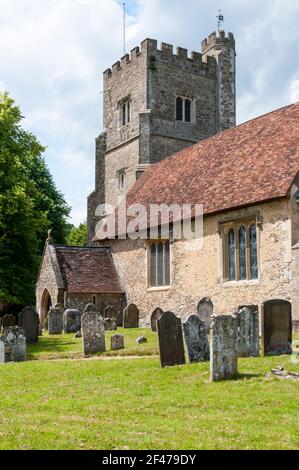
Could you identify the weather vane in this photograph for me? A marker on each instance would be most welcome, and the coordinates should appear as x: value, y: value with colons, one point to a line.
x: 220, y: 19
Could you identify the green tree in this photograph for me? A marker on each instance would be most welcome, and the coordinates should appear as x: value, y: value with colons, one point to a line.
x: 29, y: 205
x: 78, y: 235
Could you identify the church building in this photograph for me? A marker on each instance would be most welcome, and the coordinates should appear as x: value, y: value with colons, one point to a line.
x: 170, y: 137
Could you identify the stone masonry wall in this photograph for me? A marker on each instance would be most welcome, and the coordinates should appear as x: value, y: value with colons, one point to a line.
x: 79, y: 301
x: 48, y: 279
x: 197, y: 275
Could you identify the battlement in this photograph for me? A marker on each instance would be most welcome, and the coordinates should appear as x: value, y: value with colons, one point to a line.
x: 218, y: 39
x: 165, y: 54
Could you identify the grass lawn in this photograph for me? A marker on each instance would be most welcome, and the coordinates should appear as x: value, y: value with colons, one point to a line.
x: 134, y: 404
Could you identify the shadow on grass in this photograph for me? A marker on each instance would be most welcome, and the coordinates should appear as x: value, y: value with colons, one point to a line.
x: 240, y: 377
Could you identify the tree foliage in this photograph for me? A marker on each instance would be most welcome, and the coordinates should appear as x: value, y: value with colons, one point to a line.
x: 30, y: 204
x: 78, y: 235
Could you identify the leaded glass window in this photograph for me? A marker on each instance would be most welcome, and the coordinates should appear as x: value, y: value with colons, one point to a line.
x: 159, y: 259
x: 231, y: 255
x: 253, y: 252
x: 183, y: 109
x: 242, y: 253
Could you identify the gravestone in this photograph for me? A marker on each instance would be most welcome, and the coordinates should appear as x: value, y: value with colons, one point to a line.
x: 248, y: 331
x: 111, y: 313
x: 55, y: 320
x: 8, y: 321
x: 277, y: 327
x: 117, y: 342
x: 13, y: 348
x: 110, y: 325
x: 71, y: 321
x: 28, y: 319
x: 131, y: 316
x: 196, y: 339
x: 40, y: 329
x: 205, y: 312
x: 157, y: 313
x: 2, y: 351
x: 90, y: 308
x: 170, y: 338
x: 93, y: 333
x: 224, y: 354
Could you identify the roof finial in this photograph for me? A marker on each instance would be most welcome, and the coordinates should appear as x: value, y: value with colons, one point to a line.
x: 220, y: 19
x: 49, y: 239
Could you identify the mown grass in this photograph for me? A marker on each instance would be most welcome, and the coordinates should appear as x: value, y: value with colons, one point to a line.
x: 134, y: 404
x: 69, y: 347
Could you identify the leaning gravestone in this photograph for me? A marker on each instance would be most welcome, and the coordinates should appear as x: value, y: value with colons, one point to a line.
x: 196, y: 339
x: 110, y: 312
x: 248, y: 331
x: 277, y: 327
x: 157, y: 313
x: 170, y: 338
x: 93, y: 333
x: 131, y: 316
x: 28, y: 319
x: 205, y: 311
x: 117, y: 342
x: 71, y: 321
x: 13, y: 348
x: 55, y: 320
x: 224, y: 354
x: 8, y: 321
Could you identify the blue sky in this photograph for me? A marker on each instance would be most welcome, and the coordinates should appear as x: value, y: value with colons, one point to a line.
x: 53, y: 52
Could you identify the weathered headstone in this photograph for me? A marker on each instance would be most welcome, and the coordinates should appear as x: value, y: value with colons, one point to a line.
x: 55, y: 320
x: 117, y: 342
x: 110, y: 325
x: 205, y: 312
x: 277, y: 327
x: 8, y: 321
x: 131, y: 316
x: 170, y: 338
x: 248, y: 331
x: 224, y: 354
x: 2, y: 351
x: 71, y: 321
x: 40, y: 329
x: 13, y: 348
x: 157, y: 313
x: 93, y: 333
x: 111, y: 313
x: 28, y: 319
x: 196, y: 339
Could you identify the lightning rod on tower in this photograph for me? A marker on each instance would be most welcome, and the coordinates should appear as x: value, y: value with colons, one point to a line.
x: 124, y: 26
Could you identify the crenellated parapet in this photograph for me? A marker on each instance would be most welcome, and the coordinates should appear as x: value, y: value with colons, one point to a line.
x: 165, y: 55
x: 218, y: 40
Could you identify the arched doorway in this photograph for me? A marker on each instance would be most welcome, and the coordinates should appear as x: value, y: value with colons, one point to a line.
x: 46, y: 304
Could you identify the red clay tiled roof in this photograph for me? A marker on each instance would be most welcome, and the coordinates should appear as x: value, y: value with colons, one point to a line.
x: 88, y: 270
x: 248, y: 164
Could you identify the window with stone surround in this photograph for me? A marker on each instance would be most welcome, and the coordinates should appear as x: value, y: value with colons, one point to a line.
x: 159, y: 264
x: 240, y: 250
x: 183, y: 109
x: 121, y: 177
x: 124, y: 112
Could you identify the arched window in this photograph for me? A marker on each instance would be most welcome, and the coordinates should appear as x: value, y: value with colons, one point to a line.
x: 240, y: 250
x: 231, y: 255
x: 242, y: 253
x: 159, y: 264
x: 187, y: 110
x: 183, y: 109
x: 253, y: 252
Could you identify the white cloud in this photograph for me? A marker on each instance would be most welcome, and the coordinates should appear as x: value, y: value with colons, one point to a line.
x: 52, y: 54
x: 294, y: 90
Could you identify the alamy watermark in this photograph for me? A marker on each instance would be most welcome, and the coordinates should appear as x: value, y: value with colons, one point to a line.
x: 137, y: 221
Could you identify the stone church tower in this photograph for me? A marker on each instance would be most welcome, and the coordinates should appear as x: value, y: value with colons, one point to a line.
x: 157, y: 103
